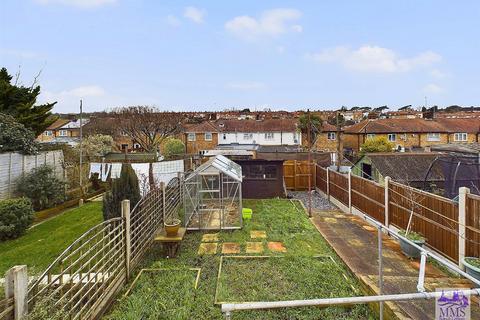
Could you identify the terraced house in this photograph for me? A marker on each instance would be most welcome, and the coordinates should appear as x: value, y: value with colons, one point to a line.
x: 413, y: 133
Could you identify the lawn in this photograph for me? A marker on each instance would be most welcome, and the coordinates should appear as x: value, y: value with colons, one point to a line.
x: 302, y: 272
x: 43, y: 243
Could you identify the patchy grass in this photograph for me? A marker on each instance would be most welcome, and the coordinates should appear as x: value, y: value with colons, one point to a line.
x: 299, y: 274
x: 43, y: 243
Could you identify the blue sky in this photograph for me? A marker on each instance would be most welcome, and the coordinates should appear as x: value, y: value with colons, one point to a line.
x: 205, y: 55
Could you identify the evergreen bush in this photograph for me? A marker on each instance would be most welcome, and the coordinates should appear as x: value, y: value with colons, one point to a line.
x: 125, y: 187
x: 16, y: 215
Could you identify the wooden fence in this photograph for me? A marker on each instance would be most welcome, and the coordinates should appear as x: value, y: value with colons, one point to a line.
x: 85, y: 278
x: 296, y: 174
x: 450, y: 228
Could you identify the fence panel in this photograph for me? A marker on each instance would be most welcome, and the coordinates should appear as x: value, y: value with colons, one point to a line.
x: 338, y: 186
x: 472, y: 226
x: 435, y: 217
x: 368, y: 197
x: 296, y: 174
x: 87, y: 274
x: 321, y: 178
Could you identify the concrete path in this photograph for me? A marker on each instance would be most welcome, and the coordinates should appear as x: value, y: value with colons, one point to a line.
x: 356, y: 242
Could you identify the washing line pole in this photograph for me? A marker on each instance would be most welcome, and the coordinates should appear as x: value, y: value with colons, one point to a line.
x: 380, y: 269
x: 309, y: 128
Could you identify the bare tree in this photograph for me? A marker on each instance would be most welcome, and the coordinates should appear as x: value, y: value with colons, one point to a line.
x: 147, y: 126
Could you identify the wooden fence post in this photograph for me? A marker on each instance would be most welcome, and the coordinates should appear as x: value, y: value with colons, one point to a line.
x: 16, y: 286
x: 328, y: 183
x: 462, y: 210
x: 387, y: 201
x: 350, y: 191
x: 128, y: 243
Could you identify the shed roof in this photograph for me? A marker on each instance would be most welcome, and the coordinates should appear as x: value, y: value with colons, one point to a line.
x: 222, y: 164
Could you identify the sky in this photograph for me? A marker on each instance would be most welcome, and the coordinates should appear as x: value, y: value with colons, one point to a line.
x: 212, y: 55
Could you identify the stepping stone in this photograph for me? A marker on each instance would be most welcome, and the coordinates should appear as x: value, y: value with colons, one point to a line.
x: 254, y: 247
x: 210, y: 237
x: 276, y: 247
x: 258, y: 234
x: 230, y: 247
x: 207, y: 248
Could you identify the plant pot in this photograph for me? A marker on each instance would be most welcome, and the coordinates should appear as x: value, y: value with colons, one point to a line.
x: 471, y: 270
x: 171, y: 227
x: 409, y: 250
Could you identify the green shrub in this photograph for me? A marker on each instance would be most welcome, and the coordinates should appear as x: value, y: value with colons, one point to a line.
x: 173, y: 147
x: 16, y: 215
x: 376, y: 144
x: 15, y: 137
x: 46, y: 308
x: 125, y: 187
x: 42, y: 187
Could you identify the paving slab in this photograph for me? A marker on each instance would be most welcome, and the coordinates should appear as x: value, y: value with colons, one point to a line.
x: 356, y: 242
x: 207, y: 248
x: 230, y: 248
x: 258, y: 234
x: 276, y: 247
x: 210, y: 237
x: 254, y: 247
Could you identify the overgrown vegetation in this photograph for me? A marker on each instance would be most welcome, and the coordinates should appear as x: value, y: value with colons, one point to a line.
x: 125, y: 187
x: 473, y: 261
x: 282, y: 221
x: 43, y: 243
x: 173, y: 148
x: 46, y: 308
x: 42, y: 186
x: 96, y: 146
x: 15, y: 137
x: 16, y: 215
x: 376, y: 144
x: 414, y: 236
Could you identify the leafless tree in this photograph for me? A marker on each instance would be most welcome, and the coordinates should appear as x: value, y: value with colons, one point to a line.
x: 147, y: 126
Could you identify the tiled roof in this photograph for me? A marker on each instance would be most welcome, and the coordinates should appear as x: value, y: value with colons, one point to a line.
x: 204, y: 126
x: 57, y: 124
x: 268, y: 125
x: 414, y: 126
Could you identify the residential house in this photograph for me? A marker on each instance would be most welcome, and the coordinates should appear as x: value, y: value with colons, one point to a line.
x: 413, y: 133
x: 201, y: 136
x: 326, y: 140
x: 62, y: 131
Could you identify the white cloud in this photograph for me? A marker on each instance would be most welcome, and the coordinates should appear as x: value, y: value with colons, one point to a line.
x: 246, y: 85
x: 374, y: 59
x: 195, y: 14
x: 173, y: 20
x: 22, y: 54
x: 271, y: 23
x: 432, y: 88
x: 437, y: 74
x: 68, y: 100
x: 77, y: 3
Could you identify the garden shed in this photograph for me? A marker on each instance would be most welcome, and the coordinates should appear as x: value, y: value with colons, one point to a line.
x: 213, y: 195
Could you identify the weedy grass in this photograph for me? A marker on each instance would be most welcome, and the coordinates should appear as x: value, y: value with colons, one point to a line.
x: 299, y: 274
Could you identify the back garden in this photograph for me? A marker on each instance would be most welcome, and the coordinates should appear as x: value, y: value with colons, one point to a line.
x: 278, y: 255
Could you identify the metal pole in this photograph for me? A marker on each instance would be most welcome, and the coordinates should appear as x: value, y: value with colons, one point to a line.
x: 309, y: 165
x: 380, y: 269
x: 81, y: 152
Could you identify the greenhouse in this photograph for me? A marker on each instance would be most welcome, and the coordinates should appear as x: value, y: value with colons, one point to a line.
x: 213, y: 195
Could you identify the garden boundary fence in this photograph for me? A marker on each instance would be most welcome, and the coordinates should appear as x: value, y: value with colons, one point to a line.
x: 85, y: 278
x: 450, y: 228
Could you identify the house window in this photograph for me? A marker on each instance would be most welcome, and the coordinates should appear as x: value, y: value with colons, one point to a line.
x: 48, y: 133
x: 269, y: 136
x: 136, y: 146
x: 460, y: 136
x: 224, y: 136
x: 392, y: 137
x: 208, y: 136
x: 124, y: 146
x: 63, y: 133
x: 331, y: 136
x: 247, y: 136
x: 191, y: 136
x: 370, y: 135
x: 433, y: 136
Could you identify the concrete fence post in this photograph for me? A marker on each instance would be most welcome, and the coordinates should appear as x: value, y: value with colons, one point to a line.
x: 328, y: 183
x: 128, y: 241
x: 350, y: 191
x: 387, y: 201
x: 462, y: 220
x: 16, y: 286
x: 162, y: 186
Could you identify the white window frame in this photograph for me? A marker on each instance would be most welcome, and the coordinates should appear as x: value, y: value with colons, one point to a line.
x: 136, y: 146
x: 63, y: 133
x: 191, y: 136
x: 370, y: 135
x: 208, y: 136
x: 433, y: 136
x: 392, y: 137
x: 48, y: 133
x: 332, y: 136
x: 460, y: 136
x: 269, y: 135
x: 248, y: 136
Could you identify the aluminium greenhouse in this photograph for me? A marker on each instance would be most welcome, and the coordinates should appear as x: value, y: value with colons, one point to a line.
x: 213, y: 195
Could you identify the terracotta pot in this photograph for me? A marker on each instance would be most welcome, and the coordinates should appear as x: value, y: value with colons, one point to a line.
x: 171, y: 228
